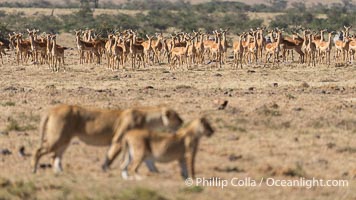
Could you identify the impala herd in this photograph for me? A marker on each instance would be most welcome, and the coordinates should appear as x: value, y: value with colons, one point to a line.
x: 257, y: 46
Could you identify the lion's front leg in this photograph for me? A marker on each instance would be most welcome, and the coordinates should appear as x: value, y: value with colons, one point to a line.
x: 183, y: 168
x: 191, y: 150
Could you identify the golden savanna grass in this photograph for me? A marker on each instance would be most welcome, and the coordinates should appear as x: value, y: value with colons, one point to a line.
x: 251, y: 2
x: 289, y: 122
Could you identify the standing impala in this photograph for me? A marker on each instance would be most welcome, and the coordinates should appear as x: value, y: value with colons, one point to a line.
x: 261, y: 43
x: 341, y: 43
x: 84, y: 46
x: 157, y: 46
x: 325, y: 49
x: 252, y: 49
x: 57, y: 55
x: 148, y: 50
x: 38, y: 48
x: 238, y: 51
x: 273, y: 49
x: 192, y: 53
x: 117, y: 53
x: 352, y: 49
x: 216, y: 50
x: 342, y: 46
x: 224, y: 44
x: 137, y: 52
x: 200, y: 48
x: 311, y: 51
x: 22, y: 49
x: 179, y: 53
x: 108, y: 47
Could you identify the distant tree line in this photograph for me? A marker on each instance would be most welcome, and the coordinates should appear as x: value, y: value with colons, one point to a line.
x: 180, y: 15
x: 145, y: 22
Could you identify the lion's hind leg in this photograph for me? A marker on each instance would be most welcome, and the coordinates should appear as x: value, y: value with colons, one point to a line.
x: 137, y: 159
x: 125, y: 165
x: 134, y: 153
x: 57, y: 158
x: 113, y: 152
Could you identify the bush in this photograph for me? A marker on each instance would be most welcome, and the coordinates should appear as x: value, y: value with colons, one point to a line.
x: 337, y: 15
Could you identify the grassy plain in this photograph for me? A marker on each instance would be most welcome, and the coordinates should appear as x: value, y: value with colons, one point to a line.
x: 285, y: 123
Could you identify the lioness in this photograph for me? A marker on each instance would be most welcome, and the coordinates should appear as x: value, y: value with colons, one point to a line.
x: 140, y: 145
x: 97, y: 127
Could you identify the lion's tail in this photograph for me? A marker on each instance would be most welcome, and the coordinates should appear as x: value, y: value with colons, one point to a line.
x: 43, y: 126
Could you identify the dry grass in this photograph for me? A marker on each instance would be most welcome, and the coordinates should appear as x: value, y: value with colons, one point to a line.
x: 251, y: 2
x: 305, y: 126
